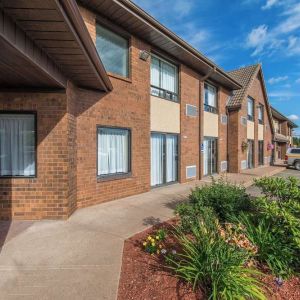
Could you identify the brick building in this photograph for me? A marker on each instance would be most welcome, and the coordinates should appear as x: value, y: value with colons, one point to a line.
x: 99, y: 101
x: 250, y: 119
x: 283, y: 129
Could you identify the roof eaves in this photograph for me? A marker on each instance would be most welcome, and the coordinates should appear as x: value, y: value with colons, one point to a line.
x: 69, y: 8
x: 171, y: 35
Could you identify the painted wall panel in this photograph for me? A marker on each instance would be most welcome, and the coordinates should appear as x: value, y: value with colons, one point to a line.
x: 211, y: 124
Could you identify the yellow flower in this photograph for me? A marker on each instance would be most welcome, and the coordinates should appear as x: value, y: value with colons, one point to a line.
x: 157, y: 237
x: 145, y: 243
x: 160, y: 246
x: 157, y: 251
x: 153, y: 244
x: 153, y: 240
x: 149, y: 238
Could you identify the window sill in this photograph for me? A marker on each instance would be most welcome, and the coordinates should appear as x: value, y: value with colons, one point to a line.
x: 178, y: 101
x: 120, y: 77
x: 113, y: 177
x: 17, y: 177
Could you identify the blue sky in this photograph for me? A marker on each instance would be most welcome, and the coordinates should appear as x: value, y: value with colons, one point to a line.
x: 236, y: 33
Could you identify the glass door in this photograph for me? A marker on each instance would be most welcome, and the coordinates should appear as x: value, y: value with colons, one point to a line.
x: 250, y: 154
x: 164, y: 158
x: 210, y: 156
x: 261, y: 152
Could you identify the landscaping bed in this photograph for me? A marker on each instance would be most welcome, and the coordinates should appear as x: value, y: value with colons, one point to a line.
x: 222, y: 244
x: 144, y: 276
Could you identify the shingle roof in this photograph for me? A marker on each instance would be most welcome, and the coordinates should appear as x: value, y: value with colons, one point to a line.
x: 244, y: 76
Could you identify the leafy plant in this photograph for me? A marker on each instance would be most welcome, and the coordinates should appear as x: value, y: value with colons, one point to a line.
x: 226, y: 199
x: 272, y: 248
x: 208, y: 261
x: 154, y: 243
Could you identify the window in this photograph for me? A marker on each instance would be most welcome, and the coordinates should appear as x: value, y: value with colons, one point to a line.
x: 261, y: 152
x: 250, y: 109
x: 113, y: 50
x: 164, y: 79
x: 113, y: 151
x: 17, y: 145
x: 210, y: 98
x: 295, y: 151
x: 260, y: 114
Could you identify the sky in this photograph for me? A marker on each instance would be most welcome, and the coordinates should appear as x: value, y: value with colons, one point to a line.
x: 237, y: 33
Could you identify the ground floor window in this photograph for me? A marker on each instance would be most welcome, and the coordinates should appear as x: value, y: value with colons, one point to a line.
x: 250, y: 154
x: 210, y: 158
x: 164, y: 158
x: 114, y: 148
x: 261, y: 152
x: 17, y: 144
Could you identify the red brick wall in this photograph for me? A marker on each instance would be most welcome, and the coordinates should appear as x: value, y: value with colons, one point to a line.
x: 189, y: 126
x: 222, y: 141
x: 239, y: 131
x: 45, y: 196
x: 128, y: 105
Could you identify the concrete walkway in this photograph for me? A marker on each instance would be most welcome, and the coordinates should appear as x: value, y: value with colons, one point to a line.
x: 81, y: 258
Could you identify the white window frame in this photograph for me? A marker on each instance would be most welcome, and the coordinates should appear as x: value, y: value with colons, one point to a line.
x: 158, y: 91
x: 208, y: 107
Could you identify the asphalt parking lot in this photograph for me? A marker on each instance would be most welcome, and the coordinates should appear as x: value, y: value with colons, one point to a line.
x: 254, y: 191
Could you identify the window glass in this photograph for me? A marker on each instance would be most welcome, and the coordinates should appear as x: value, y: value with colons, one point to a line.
x: 113, y: 151
x: 113, y: 51
x: 17, y: 144
x: 164, y: 76
x: 210, y: 98
x: 250, y: 109
x: 297, y: 151
x: 260, y: 114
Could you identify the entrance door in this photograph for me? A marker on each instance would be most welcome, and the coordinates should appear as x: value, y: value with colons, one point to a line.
x: 164, y: 162
x: 261, y: 152
x: 210, y: 156
x: 250, y: 154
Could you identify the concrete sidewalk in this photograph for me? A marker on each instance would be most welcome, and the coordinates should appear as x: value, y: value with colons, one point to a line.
x: 81, y: 258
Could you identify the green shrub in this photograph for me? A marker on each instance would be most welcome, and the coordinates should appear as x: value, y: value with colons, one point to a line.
x: 207, y: 261
x: 227, y: 200
x: 277, y: 188
x: 272, y: 248
x: 279, y: 208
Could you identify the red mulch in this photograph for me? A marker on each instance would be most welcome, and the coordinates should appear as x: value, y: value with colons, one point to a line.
x: 144, y: 277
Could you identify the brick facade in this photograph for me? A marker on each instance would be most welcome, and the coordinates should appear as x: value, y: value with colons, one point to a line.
x: 239, y: 130
x: 67, y: 138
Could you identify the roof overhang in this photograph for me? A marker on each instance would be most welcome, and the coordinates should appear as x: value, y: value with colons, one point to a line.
x: 279, y: 116
x: 136, y: 21
x: 50, y: 44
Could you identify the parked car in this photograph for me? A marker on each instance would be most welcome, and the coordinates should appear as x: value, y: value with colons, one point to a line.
x: 292, y: 158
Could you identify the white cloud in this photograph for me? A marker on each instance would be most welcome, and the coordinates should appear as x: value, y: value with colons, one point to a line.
x: 274, y: 80
x: 293, y: 117
x: 265, y: 40
x: 269, y: 4
x: 257, y: 38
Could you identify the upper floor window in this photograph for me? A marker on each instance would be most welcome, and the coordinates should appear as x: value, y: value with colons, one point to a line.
x: 260, y: 114
x: 164, y: 79
x: 210, y: 98
x: 113, y: 51
x: 250, y: 109
x: 17, y: 145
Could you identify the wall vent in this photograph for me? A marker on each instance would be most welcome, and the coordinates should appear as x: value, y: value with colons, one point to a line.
x: 224, y: 119
x: 244, y: 121
x: 224, y: 166
x: 243, y: 164
x: 267, y: 160
x: 191, y: 172
x: 191, y: 110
